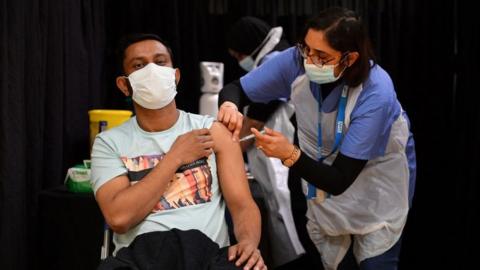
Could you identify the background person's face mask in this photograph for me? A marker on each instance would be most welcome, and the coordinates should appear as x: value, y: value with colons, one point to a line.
x: 321, y: 75
x: 153, y: 86
x: 247, y: 63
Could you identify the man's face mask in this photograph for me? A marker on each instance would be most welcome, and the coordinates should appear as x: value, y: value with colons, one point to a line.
x: 321, y: 75
x: 153, y: 86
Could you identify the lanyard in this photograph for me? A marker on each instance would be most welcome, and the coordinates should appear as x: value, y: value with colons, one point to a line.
x: 342, y: 104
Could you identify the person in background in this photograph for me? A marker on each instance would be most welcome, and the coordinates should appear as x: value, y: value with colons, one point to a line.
x: 252, y: 42
x: 356, y: 153
x: 160, y: 212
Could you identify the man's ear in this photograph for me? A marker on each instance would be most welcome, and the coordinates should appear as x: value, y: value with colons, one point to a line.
x: 177, y: 75
x: 122, y: 84
x: 352, y: 58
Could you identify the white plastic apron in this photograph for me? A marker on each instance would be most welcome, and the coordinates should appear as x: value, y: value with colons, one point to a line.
x: 374, y: 208
x: 273, y: 179
x: 268, y: 44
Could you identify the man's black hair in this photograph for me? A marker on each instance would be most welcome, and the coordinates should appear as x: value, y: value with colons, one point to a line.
x: 130, y: 39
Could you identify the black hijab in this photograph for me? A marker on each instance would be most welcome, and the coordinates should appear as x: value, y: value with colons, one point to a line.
x: 247, y: 34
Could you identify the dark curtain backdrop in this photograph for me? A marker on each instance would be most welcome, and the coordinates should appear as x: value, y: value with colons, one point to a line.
x: 57, y: 62
x: 51, y: 73
x: 466, y: 135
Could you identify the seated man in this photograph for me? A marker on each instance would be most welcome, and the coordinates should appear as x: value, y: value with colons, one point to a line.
x: 158, y: 171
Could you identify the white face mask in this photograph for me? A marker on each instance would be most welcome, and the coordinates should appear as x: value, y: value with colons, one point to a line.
x: 321, y: 75
x: 247, y: 63
x: 153, y: 86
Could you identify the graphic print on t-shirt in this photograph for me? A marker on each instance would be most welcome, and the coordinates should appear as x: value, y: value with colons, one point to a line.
x: 191, y: 184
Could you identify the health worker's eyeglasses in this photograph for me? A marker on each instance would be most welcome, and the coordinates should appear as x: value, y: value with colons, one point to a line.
x: 316, y: 59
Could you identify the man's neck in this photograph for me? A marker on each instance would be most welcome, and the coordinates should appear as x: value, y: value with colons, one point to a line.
x: 157, y: 120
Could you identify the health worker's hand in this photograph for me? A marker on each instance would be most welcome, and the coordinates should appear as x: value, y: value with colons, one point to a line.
x: 229, y: 115
x: 273, y: 143
x: 249, y: 123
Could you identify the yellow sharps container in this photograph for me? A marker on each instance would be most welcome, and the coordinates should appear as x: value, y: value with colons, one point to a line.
x: 101, y: 120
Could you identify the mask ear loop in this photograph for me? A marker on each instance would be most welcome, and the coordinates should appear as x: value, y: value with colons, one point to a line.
x: 344, y: 57
x: 129, y: 87
x: 342, y: 62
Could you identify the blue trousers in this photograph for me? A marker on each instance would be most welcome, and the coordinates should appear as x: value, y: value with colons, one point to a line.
x: 386, y: 261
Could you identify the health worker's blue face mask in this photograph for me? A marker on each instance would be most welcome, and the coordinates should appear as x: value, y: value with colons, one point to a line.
x: 321, y: 75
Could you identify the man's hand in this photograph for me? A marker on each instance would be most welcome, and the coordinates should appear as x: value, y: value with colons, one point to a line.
x: 246, y: 253
x: 273, y: 143
x: 192, y: 146
x: 229, y: 115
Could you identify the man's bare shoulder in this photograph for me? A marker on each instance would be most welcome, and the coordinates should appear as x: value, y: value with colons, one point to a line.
x: 219, y: 129
x: 222, y: 137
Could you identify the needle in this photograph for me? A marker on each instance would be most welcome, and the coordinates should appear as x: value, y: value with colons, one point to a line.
x: 251, y: 136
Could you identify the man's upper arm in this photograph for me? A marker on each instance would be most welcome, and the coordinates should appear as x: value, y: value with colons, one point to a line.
x: 230, y: 167
x: 106, y: 163
x: 108, y: 172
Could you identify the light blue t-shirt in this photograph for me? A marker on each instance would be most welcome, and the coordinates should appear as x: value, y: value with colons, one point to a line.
x: 371, y: 119
x: 193, y: 199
